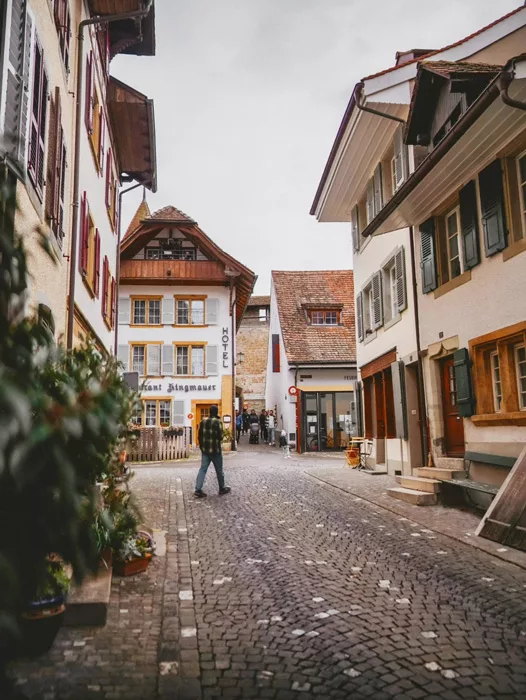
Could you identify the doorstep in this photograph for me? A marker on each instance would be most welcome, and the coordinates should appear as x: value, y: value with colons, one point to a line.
x: 451, y: 522
x: 87, y: 604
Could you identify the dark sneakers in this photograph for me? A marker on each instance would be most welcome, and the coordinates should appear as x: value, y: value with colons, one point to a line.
x: 224, y: 490
x: 200, y: 494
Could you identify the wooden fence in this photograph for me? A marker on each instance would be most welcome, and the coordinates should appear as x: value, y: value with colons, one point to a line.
x: 159, y: 445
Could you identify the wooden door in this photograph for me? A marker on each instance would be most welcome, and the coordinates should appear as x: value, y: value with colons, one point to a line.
x: 453, y: 423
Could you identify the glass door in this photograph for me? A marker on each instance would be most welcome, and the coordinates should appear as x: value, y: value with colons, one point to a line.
x: 326, y: 425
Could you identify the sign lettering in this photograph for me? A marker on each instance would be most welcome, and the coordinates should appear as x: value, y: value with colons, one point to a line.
x: 224, y: 342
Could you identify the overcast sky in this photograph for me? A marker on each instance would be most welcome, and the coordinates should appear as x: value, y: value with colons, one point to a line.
x: 248, y: 97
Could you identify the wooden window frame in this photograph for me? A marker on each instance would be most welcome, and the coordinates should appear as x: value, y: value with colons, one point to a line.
x: 108, y: 302
x: 157, y: 400
x: 62, y: 18
x: 37, y: 119
x: 138, y: 345
x: 503, y: 341
x: 144, y: 344
x: 325, y: 313
x: 522, y: 193
x: 190, y: 298
x: 90, y: 276
x: 189, y: 345
x: 146, y: 298
x: 522, y: 407
x: 96, y: 133
x: 456, y: 213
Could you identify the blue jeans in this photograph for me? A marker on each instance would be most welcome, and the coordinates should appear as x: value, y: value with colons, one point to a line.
x: 271, y: 436
x: 217, y: 461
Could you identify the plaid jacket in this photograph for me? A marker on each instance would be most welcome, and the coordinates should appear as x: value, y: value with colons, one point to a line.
x: 210, y: 435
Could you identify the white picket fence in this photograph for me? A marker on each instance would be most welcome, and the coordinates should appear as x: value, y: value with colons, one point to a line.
x: 158, y: 445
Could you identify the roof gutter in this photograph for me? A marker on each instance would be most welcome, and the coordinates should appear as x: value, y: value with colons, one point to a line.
x: 505, y: 80
x: 363, y: 108
x: 136, y: 14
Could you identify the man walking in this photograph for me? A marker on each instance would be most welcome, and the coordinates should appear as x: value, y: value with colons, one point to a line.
x: 271, y: 427
x: 210, y: 437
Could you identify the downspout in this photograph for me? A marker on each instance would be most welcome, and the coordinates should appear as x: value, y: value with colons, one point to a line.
x: 136, y: 14
x: 118, y: 266
x: 363, y: 108
x: 505, y: 80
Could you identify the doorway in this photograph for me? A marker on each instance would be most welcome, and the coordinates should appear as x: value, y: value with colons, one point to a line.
x: 327, y: 420
x: 453, y: 423
x: 202, y: 411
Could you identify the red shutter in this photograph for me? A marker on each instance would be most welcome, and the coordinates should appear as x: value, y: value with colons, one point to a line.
x: 66, y: 28
x: 108, y: 52
x: 108, y: 179
x: 104, y: 303
x: 116, y: 206
x: 60, y: 227
x: 88, y: 106
x: 275, y: 353
x: 97, y: 263
x: 102, y: 140
x: 113, y: 301
x: 84, y: 238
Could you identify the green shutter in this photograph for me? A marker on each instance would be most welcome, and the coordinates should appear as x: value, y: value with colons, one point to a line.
x: 464, y: 384
x: 469, y: 225
x: 428, y: 251
x: 359, y: 316
x: 357, y: 419
x: 492, y: 208
x: 399, y: 398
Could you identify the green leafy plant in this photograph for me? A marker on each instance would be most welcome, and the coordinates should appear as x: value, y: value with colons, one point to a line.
x: 56, y: 581
x: 135, y: 547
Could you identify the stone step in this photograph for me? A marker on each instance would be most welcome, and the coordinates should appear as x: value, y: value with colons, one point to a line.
x: 442, y: 473
x: 416, y: 498
x: 419, y: 483
x: 456, y: 463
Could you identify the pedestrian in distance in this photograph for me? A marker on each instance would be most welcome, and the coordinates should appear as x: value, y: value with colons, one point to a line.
x: 271, y: 427
x: 263, y: 425
x: 246, y: 421
x: 239, y: 425
x: 210, y: 437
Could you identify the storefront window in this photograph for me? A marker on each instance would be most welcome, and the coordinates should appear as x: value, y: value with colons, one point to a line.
x: 150, y: 413
x: 165, y: 413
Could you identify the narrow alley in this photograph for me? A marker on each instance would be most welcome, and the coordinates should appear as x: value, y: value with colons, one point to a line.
x: 291, y: 588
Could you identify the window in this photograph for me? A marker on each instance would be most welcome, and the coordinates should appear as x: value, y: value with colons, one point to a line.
x: 63, y: 25
x: 390, y: 291
x: 521, y: 169
x: 499, y: 376
x: 38, y: 114
x: 497, y: 384
x: 112, y: 191
x: 453, y: 244
x: 368, y: 310
x: 190, y: 312
x: 146, y: 312
x: 165, y: 413
x: 190, y: 360
x: 93, y: 115
x: 108, y: 302
x: 374, y: 194
x: 138, y: 359
x: 56, y: 170
x: 89, y: 254
x: 520, y: 365
x: 150, y: 413
x: 156, y: 412
x: 263, y: 315
x: 324, y: 318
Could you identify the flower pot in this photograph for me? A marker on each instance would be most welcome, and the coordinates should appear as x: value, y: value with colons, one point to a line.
x: 40, y: 625
x: 131, y: 567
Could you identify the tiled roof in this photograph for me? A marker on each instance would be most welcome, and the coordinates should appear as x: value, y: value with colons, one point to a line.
x: 449, y: 46
x: 305, y: 343
x: 259, y: 301
x: 170, y: 213
x: 143, y: 212
x: 448, y: 68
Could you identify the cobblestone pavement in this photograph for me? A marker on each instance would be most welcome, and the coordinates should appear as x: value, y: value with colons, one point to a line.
x: 290, y: 588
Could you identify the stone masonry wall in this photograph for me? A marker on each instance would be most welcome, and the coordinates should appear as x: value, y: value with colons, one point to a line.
x: 252, y: 340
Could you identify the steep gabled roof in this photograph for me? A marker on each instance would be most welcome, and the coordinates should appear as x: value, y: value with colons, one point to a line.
x: 298, y: 291
x: 259, y: 301
x: 171, y: 214
x: 143, y: 212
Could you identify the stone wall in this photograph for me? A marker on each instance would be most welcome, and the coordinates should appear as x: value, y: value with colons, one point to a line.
x: 252, y: 340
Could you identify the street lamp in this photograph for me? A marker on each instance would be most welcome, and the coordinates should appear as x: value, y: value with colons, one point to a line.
x: 240, y: 357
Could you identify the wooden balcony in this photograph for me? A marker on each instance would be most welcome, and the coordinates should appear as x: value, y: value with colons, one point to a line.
x: 172, y: 272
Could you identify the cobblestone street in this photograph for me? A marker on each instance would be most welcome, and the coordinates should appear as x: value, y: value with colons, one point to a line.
x: 291, y: 588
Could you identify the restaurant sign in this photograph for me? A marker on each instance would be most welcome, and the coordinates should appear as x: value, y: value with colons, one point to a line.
x: 169, y: 387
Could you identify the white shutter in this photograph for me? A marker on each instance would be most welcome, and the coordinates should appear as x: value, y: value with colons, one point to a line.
x: 212, y: 312
x: 401, y: 295
x: 168, y: 360
x: 355, y: 230
x: 123, y: 355
x: 124, y: 311
x: 168, y: 311
x: 398, y: 170
x: 178, y: 413
x: 378, y: 310
x: 212, y: 352
x: 18, y: 80
x: 370, y: 201
x: 378, y: 192
x: 359, y: 316
x: 153, y: 360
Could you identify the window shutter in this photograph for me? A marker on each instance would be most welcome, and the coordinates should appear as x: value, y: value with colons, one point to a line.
x: 104, y: 297
x: 378, y: 308
x: 102, y: 140
x: 116, y: 205
x: 108, y: 179
x: 178, y: 413
x: 212, y: 353
x: 113, y: 301
x: 355, y: 228
x: 212, y: 311
x: 511, y: 169
x: 399, y: 398
x: 62, y: 189
x: 428, y: 251
x: 54, y: 153
x: 97, y: 263
x: 275, y: 353
x: 370, y: 201
x: 469, y: 225
x: 400, y: 158
x: 358, y: 409
x: 153, y: 360
x: 401, y: 293
x: 168, y: 360
x: 123, y: 355
x: 17, y: 82
x: 168, y: 311
x: 359, y: 316
x: 84, y: 242
x: 88, y: 93
x: 492, y: 206
x: 464, y: 385
x: 124, y: 311
x: 37, y: 129
x: 378, y: 192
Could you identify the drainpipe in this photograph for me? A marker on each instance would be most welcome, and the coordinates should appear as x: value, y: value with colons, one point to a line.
x: 363, y: 108
x: 505, y: 80
x: 118, y: 266
x: 233, y: 360
x: 136, y: 14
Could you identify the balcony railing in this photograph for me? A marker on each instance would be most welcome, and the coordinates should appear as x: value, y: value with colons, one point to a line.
x: 172, y: 271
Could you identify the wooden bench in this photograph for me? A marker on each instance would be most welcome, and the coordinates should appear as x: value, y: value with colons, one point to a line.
x: 482, y: 458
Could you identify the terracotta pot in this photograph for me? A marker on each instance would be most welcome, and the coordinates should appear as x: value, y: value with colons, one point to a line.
x: 132, y: 566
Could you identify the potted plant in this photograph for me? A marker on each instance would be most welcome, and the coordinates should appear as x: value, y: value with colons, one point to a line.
x: 227, y: 440
x: 134, y: 554
x: 45, y: 613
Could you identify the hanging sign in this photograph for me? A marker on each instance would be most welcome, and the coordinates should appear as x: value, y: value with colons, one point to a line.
x: 293, y: 390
